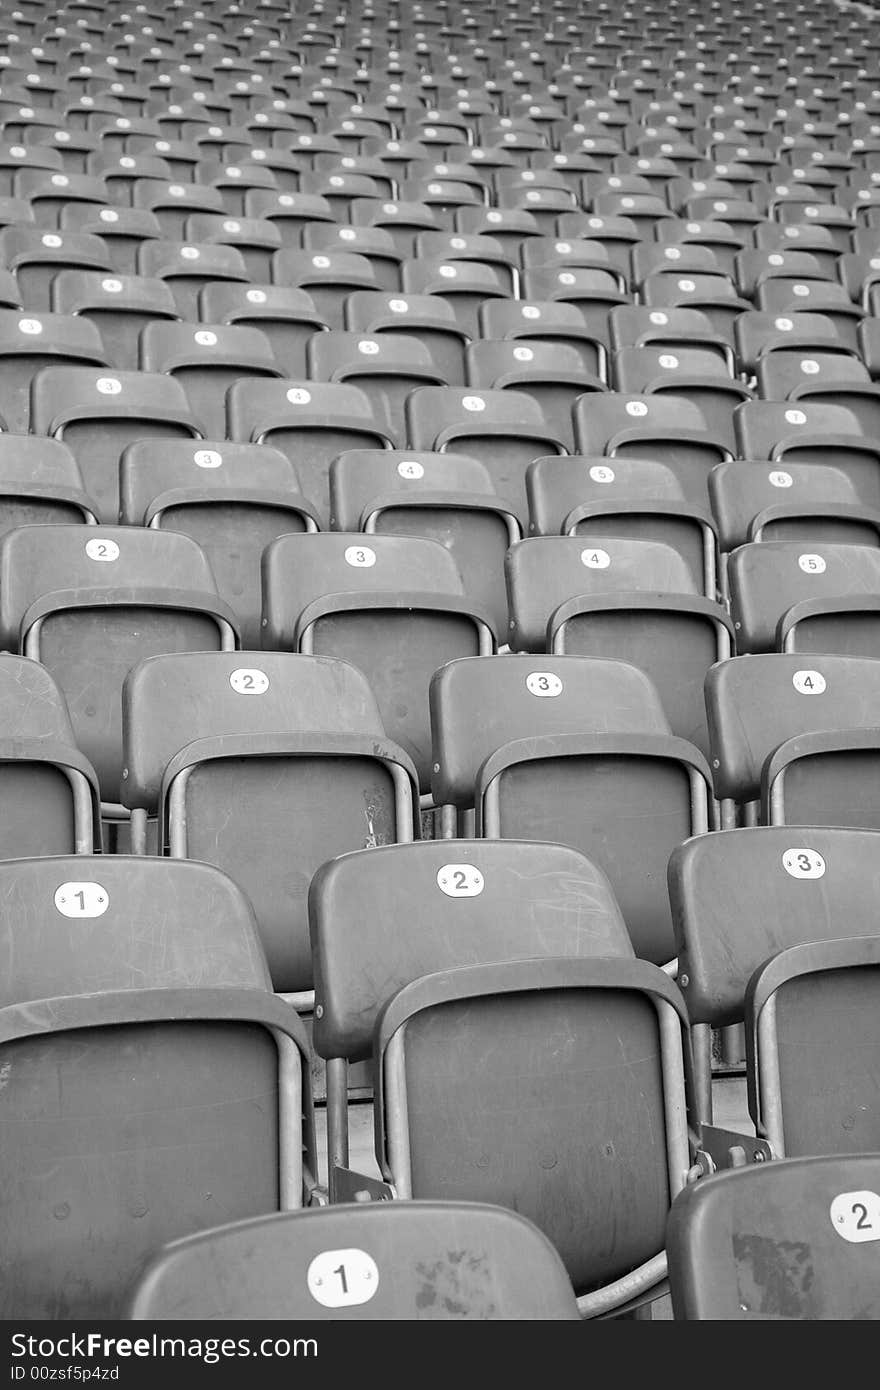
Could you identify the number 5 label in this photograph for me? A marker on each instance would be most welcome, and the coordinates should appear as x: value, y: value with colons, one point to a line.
x: 342, y: 1278
x: 855, y: 1216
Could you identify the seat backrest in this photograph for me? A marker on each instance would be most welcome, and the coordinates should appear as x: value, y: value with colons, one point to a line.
x: 398, y: 1267
x: 739, y: 491
x: 737, y: 1242
x: 768, y: 578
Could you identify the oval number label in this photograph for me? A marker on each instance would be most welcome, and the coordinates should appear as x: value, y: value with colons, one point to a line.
x: 361, y: 556
x: 855, y: 1216
x: 543, y: 683
x: 342, y: 1278
x: 803, y: 863
x: 595, y: 559
x: 82, y: 900
x: 460, y: 881
x: 812, y: 564
x: 808, y: 682
x: 249, y: 681
x: 102, y: 550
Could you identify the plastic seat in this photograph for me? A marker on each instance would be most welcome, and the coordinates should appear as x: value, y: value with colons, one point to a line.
x: 264, y: 764
x: 808, y: 502
x: 49, y: 789
x: 327, y: 278
x: 441, y: 247
x: 148, y: 998
x: 206, y: 360
x: 819, y: 242
x: 403, y: 220
x: 785, y: 598
x: 118, y: 307
x: 36, y: 257
x: 122, y: 230
x: 796, y: 736
x: 720, y: 1233
x: 695, y: 373
x: 662, y: 426
x: 593, y: 292
x: 288, y: 318
x: 256, y: 238
x: 477, y: 965
x: 562, y: 749
x: 464, y: 285
x: 505, y: 430
x: 232, y: 499
x: 810, y: 1010
x: 781, y: 296
x: 49, y: 193
x: 714, y: 295
x: 311, y: 422
x: 617, y: 234
x: 394, y: 606
x: 753, y: 268
x: 758, y: 335
x: 97, y: 414
x: 29, y: 343
x: 373, y: 243
x: 552, y: 373
x: 635, y: 600
x: 187, y: 268
x: 386, y: 368
x: 513, y: 1272
x: 635, y: 325
x: 510, y: 227
x: 828, y: 434
x: 88, y: 602
x: 552, y: 322
x: 425, y: 316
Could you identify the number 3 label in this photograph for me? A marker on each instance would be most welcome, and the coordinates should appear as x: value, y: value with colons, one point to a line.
x: 342, y: 1278
x: 855, y: 1216
x: 460, y: 881
x: 543, y: 683
x: 82, y: 900
x: 803, y: 863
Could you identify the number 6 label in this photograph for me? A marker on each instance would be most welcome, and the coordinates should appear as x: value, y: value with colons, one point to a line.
x: 855, y: 1216
x: 342, y: 1278
x: 82, y: 900
x: 460, y: 881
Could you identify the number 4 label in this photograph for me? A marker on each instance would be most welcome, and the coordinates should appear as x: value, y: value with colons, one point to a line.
x: 342, y: 1278
x: 855, y: 1216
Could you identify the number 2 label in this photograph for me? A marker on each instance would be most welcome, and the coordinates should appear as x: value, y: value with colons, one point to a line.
x: 855, y: 1216
x: 460, y: 881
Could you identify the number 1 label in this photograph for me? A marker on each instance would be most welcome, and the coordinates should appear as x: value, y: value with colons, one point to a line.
x: 342, y: 1278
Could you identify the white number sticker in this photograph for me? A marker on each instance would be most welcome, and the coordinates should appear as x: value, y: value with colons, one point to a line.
x: 803, y: 863
x: 32, y: 326
x: 636, y: 408
x: 812, y: 564
x: 249, y: 681
x: 256, y: 296
x: 342, y: 1278
x: 595, y: 559
x: 601, y: 474
x: 544, y: 684
x: 298, y: 396
x: 809, y: 366
x: 410, y: 468
x: 473, y: 403
x: 460, y: 881
x: 523, y: 354
x: 855, y: 1216
x: 795, y: 417
x: 207, y: 458
x: 808, y: 682
x: 658, y: 318
x: 51, y: 241
x: 531, y: 311
x: 361, y: 556
x: 108, y: 385
x: 82, y: 900
x: 102, y: 550
x: 398, y: 306
x: 780, y: 479
x: 205, y: 338
x: 668, y: 361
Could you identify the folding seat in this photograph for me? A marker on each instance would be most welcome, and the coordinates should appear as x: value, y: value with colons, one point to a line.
x: 545, y: 205
x: 562, y: 748
x: 48, y: 785
x: 446, y: 497
x: 718, y: 237
x: 287, y: 317
x: 188, y: 268
x: 74, y: 145
x: 552, y: 373
x: 511, y: 227
x: 554, y: 323
x: 661, y: 426
x: 608, y: 1263
x: 120, y: 176
x: 232, y: 499
x: 29, y: 343
x: 440, y: 247
x: 837, y: 220
x: 813, y: 503
x: 290, y: 212
x: 757, y: 334
x: 122, y: 230
x: 96, y: 415
x: 206, y: 360
x: 817, y: 241
x: 591, y: 255
x: 617, y: 234
x: 635, y: 600
x: 35, y: 257
x: 394, y: 606
x: 154, y: 1005
x: 257, y: 240
x: 832, y: 377
x: 63, y: 606
x: 714, y: 295
x: 50, y: 192
x: 118, y: 307
x: 427, y: 317
x: 636, y: 326
x: 264, y: 764
x: 784, y: 598
x: 172, y: 203
x: 310, y: 422
x: 372, y: 243
x: 868, y: 334
x: 464, y: 284
x: 40, y: 483
x: 382, y: 178
x: 780, y: 296
x: 657, y: 258
x: 513, y: 1271
x: 386, y: 368
x: 593, y: 292
x: 830, y: 434
x: 327, y: 278
x: 504, y: 429
x: 14, y: 157
x: 695, y: 373
x: 860, y: 273
x: 721, y: 1231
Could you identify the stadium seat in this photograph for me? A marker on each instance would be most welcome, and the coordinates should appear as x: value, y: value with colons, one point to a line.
x: 30, y: 342
x: 118, y: 306
x: 328, y: 277
x: 266, y: 765
x: 187, y: 268
x: 288, y: 318
x: 36, y: 257
x: 206, y: 359
x: 811, y: 502
x: 827, y: 434
x: 785, y: 598
x: 427, y: 317
x: 386, y: 368
x: 552, y: 322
